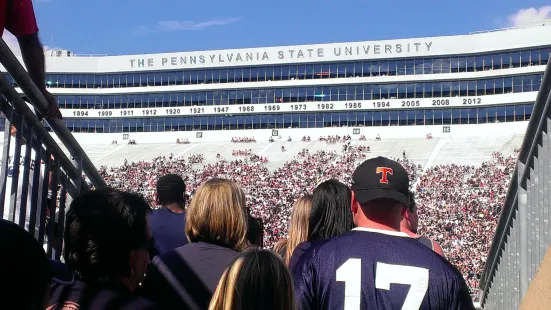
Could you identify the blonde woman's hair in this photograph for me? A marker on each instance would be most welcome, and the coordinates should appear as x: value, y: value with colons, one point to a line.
x: 280, y: 247
x: 217, y: 215
x: 256, y: 279
x: 298, y: 231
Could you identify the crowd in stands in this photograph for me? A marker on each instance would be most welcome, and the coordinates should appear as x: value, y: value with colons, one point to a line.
x: 335, y: 139
x: 243, y: 140
x: 242, y: 152
x: 182, y: 141
x: 195, y: 158
x: 458, y: 205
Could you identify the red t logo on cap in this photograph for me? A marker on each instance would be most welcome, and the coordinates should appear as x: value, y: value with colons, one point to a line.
x: 385, y: 171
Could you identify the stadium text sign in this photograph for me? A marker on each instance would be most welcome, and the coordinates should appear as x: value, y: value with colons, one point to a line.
x: 339, y: 52
x: 298, y: 107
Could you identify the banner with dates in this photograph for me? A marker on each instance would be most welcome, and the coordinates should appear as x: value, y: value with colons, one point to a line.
x: 313, y: 106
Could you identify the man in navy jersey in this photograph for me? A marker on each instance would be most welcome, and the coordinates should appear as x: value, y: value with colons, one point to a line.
x: 375, y: 266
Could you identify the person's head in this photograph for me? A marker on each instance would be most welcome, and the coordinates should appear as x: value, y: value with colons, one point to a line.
x: 411, y: 219
x: 107, y: 237
x: 217, y: 215
x: 171, y: 190
x: 26, y: 273
x: 330, y: 212
x: 255, y: 230
x: 380, y: 193
x: 256, y: 279
x: 298, y: 229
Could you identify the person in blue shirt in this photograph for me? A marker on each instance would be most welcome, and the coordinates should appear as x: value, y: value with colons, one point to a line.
x: 168, y: 222
x: 375, y: 266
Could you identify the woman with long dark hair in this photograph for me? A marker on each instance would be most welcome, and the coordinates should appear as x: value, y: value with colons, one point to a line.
x: 330, y: 215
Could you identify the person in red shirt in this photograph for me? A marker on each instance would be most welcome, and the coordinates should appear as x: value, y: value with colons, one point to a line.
x: 17, y: 17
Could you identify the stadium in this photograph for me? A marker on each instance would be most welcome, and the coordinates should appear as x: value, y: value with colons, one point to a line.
x: 453, y: 110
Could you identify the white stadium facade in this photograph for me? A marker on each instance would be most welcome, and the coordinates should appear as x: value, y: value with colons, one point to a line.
x: 473, y: 93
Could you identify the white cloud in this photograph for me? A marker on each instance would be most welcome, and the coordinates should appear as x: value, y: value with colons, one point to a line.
x: 175, y: 25
x: 529, y: 16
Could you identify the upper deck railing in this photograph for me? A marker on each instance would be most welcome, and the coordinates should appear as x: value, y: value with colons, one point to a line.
x: 523, y: 234
x: 35, y: 172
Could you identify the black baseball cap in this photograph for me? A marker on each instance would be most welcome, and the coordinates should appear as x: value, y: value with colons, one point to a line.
x: 381, y: 177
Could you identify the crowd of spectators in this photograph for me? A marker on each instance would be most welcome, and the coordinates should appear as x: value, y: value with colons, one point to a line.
x: 243, y: 140
x: 458, y: 205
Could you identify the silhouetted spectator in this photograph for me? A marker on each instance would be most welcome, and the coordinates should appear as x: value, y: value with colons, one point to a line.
x: 107, y: 243
x: 168, y: 222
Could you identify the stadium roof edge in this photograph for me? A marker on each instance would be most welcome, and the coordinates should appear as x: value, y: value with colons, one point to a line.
x: 546, y: 22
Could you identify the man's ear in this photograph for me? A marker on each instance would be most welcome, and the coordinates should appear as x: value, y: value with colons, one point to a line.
x: 406, y: 215
x: 355, y: 205
x: 405, y: 212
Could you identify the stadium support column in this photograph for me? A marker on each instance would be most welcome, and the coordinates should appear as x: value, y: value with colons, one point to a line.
x: 522, y: 201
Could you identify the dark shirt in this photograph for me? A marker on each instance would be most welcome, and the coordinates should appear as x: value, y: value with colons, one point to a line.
x: 17, y: 16
x: 186, y: 278
x: 376, y: 269
x: 168, y: 229
x: 91, y: 297
x: 297, y: 253
x: 426, y: 242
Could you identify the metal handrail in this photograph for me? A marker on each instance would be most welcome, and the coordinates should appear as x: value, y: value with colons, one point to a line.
x: 19, y: 104
x: 536, y: 126
x: 18, y: 73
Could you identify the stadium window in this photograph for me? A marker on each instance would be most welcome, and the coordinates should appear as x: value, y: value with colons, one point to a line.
x: 496, y: 59
x: 360, y: 68
x: 438, y: 117
x: 384, y: 68
x: 490, y: 90
x: 524, y: 58
x: 509, y: 113
x: 498, y: 85
x: 368, y: 118
x: 507, y: 61
x: 429, y: 117
x: 500, y: 114
x: 492, y: 114
x: 393, y: 118
x: 401, y: 67
x: 544, y: 55
x: 464, y: 116
x: 403, y: 118
x: 447, y: 117
x: 410, y: 117
x: 420, y: 117
x: 473, y: 116
x: 482, y: 115
x: 377, y: 118
x: 526, y: 83
x: 446, y: 65
x: 515, y: 59
x: 475, y: 63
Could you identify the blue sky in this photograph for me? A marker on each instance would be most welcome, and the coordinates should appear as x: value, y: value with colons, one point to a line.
x: 117, y: 27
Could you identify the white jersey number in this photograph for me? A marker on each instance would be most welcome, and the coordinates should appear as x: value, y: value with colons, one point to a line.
x: 351, y: 274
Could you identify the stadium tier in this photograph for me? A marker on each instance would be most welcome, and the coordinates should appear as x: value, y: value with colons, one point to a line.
x: 444, y: 84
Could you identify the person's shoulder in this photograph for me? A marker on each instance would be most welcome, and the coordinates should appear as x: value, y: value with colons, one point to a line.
x: 72, y: 296
x: 155, y: 213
